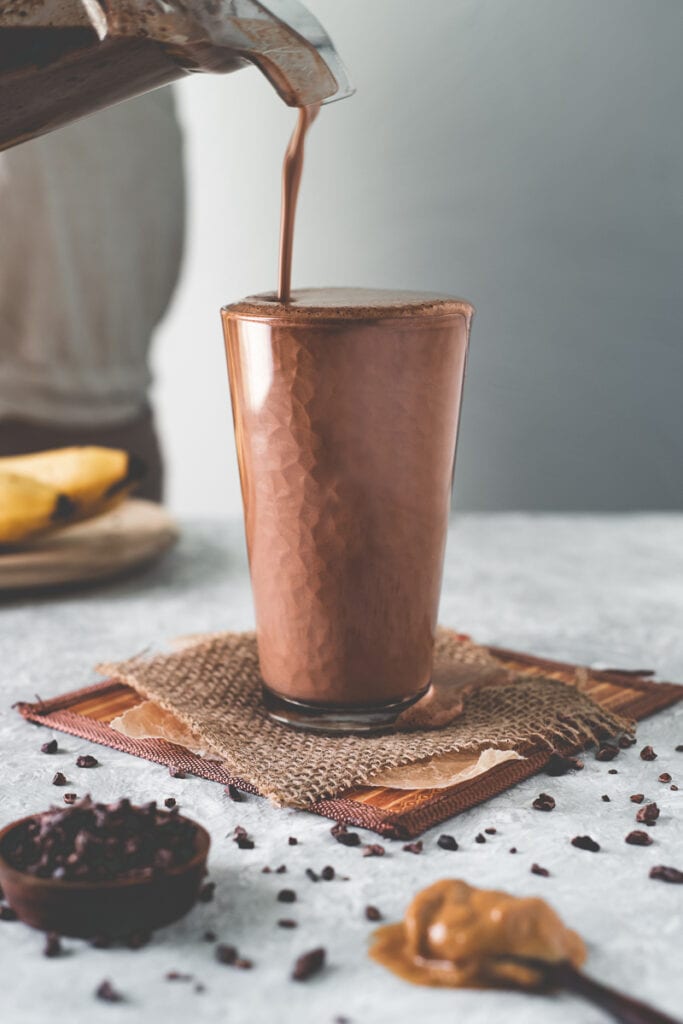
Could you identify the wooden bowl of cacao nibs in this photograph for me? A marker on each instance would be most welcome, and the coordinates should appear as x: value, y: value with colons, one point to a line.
x: 105, y: 871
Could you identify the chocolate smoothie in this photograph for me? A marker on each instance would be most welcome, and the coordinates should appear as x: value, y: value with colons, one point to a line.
x: 346, y: 406
x: 51, y: 76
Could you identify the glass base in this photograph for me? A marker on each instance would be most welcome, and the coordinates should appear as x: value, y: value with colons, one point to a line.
x: 336, y: 721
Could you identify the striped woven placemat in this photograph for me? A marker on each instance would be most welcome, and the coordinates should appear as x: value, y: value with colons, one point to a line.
x: 390, y: 812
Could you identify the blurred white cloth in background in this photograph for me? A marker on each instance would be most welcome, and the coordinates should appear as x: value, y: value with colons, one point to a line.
x: 91, y: 235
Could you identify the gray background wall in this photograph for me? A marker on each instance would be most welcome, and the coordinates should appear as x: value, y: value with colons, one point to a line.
x: 527, y: 154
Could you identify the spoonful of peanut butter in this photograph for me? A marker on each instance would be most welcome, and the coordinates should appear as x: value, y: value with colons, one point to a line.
x: 454, y: 935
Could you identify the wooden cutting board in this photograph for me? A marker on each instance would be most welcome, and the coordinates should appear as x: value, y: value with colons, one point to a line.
x: 111, y: 544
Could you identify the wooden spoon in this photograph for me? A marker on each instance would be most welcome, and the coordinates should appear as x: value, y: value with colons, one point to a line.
x: 562, y: 975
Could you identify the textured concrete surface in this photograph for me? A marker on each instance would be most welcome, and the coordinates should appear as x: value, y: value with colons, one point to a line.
x: 602, y: 590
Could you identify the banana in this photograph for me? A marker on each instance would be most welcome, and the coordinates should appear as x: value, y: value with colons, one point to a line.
x: 93, y: 478
x: 29, y: 506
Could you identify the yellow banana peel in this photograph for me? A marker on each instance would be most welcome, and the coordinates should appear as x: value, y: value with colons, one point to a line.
x: 29, y: 507
x: 92, y: 477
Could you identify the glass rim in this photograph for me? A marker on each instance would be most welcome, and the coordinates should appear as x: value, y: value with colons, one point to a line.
x: 424, y: 307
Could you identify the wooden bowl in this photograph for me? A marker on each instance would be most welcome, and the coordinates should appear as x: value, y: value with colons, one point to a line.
x: 114, y: 909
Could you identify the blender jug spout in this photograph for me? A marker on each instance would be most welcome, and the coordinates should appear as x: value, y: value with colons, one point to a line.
x: 296, y: 75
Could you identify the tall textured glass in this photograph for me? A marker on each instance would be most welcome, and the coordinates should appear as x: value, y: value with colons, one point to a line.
x: 346, y: 406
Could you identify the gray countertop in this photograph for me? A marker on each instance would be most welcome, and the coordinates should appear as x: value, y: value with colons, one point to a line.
x: 598, y: 590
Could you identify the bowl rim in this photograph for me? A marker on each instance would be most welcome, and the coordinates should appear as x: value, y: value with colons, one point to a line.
x: 202, y: 844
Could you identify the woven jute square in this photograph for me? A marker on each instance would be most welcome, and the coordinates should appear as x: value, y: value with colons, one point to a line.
x: 213, y: 686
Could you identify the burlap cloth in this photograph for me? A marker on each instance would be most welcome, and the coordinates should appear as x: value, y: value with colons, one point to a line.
x: 213, y: 686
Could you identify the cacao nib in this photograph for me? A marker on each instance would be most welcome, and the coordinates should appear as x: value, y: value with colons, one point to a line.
x: 86, y: 761
x: 544, y: 802
x: 53, y: 946
x: 107, y: 993
x: 206, y: 893
x: 666, y: 874
x: 373, y: 850
x: 607, y: 752
x: 309, y: 964
x: 647, y: 814
x: 585, y: 843
x: 637, y: 838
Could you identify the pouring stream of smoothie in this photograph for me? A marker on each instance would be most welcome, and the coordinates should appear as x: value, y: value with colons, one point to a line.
x: 292, y: 169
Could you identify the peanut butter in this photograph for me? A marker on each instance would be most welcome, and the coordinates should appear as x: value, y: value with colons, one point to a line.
x: 452, y: 933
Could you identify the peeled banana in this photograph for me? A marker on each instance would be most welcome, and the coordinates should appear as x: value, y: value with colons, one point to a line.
x: 93, y: 478
x: 29, y: 506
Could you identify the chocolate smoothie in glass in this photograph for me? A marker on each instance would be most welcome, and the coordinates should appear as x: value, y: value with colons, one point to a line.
x: 346, y: 405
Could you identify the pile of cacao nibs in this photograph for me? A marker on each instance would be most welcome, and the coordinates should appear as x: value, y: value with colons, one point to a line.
x: 92, y: 842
